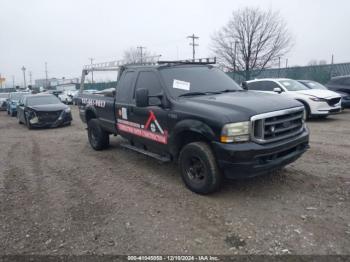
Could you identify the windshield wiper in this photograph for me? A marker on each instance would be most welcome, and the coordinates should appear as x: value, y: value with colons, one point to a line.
x: 197, y: 94
x: 229, y: 90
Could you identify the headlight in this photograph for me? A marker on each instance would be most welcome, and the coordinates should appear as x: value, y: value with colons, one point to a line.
x: 317, y: 99
x: 235, y: 132
x: 67, y: 110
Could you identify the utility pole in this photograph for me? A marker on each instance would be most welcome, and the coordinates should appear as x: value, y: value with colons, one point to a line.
x: 286, y: 63
x: 92, y: 72
x: 141, y: 54
x: 331, y: 73
x: 279, y: 66
x: 46, y: 77
x: 0, y: 81
x: 30, y: 77
x: 13, y: 81
x: 193, y: 44
x: 24, y: 77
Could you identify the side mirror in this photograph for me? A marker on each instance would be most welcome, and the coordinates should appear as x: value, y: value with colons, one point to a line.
x: 245, y: 85
x: 278, y: 90
x: 141, y: 97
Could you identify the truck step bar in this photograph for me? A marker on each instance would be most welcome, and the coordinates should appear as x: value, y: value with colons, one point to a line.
x: 145, y: 152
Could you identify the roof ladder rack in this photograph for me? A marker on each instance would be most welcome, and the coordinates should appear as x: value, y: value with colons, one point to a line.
x: 200, y: 61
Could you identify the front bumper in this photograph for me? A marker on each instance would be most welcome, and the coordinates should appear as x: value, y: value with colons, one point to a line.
x: 64, y: 119
x: 251, y: 159
x: 323, y: 108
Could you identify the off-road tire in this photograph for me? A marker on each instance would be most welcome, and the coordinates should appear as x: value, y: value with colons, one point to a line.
x: 98, y: 138
x: 212, y: 176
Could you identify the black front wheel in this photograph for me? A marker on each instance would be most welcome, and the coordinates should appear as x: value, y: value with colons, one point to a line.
x: 199, y: 170
x: 98, y: 138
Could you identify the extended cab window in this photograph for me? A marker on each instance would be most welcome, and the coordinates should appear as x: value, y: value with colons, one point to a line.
x: 124, y: 87
x: 150, y: 81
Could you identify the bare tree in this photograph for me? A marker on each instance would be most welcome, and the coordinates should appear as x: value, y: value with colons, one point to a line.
x: 134, y: 56
x: 252, y: 40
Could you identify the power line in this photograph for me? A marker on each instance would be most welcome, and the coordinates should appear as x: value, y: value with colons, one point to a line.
x: 141, y: 54
x: 193, y: 44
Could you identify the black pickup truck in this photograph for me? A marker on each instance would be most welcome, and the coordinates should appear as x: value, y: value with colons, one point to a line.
x: 196, y: 115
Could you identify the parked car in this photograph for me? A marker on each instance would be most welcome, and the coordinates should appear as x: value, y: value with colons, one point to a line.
x: 43, y: 110
x: 197, y: 116
x: 3, y: 101
x: 66, y: 96
x: 12, y: 102
x: 317, y: 103
x: 340, y: 83
x: 345, y: 97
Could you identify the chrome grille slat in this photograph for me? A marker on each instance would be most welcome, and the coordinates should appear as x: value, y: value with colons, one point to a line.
x: 278, y: 125
x: 279, y: 130
x: 283, y: 120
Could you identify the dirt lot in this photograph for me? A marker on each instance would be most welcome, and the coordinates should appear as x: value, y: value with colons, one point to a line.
x: 58, y: 196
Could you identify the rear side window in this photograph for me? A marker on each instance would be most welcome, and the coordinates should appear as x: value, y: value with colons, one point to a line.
x: 255, y: 86
x: 150, y: 81
x: 125, y: 86
x: 262, y: 85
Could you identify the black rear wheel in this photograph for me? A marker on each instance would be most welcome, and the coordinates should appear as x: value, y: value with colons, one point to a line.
x: 98, y: 138
x: 199, y: 170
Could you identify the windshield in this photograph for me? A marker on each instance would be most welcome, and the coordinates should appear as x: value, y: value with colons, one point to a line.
x: 292, y: 85
x: 197, y: 79
x: 42, y: 100
x: 314, y: 85
x: 16, y: 96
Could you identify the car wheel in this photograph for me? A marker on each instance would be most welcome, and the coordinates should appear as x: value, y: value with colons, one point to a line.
x: 98, y: 138
x: 199, y: 170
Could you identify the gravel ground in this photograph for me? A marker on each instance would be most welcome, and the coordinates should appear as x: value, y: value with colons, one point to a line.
x: 58, y: 196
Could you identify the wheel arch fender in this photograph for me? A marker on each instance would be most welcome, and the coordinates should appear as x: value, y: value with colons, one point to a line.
x: 189, y: 130
x: 90, y: 113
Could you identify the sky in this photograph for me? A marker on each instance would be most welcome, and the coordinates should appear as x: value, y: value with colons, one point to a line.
x: 66, y: 33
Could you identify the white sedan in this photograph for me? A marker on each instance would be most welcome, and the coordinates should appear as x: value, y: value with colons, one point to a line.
x: 319, y: 103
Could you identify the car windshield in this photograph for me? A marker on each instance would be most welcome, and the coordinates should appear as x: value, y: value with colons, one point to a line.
x: 42, y: 100
x: 197, y: 80
x: 292, y: 85
x: 314, y: 85
x: 16, y: 96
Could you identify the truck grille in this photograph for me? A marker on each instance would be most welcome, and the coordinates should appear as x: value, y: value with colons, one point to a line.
x: 48, y: 116
x: 278, y: 125
x: 333, y: 101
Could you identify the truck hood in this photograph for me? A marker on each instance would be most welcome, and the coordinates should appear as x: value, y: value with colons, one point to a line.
x: 318, y: 93
x: 240, y: 106
x: 48, y: 108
